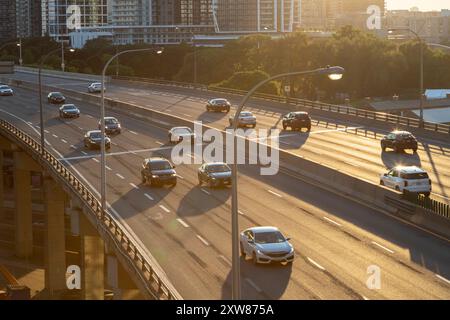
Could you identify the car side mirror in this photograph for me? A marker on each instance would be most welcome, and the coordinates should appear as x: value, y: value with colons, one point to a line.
x: 174, y: 166
x: 385, y: 174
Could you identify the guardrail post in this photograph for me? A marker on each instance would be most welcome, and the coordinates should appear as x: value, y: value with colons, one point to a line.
x: 92, y: 261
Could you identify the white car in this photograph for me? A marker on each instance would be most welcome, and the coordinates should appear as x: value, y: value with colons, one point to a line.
x: 266, y: 245
x: 245, y: 119
x: 178, y: 134
x: 6, y: 90
x: 95, y: 87
x: 412, y: 179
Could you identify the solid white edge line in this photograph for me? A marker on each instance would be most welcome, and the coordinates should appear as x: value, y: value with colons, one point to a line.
x: 315, y: 263
x: 184, y: 224
x: 382, y: 247
x: 134, y: 186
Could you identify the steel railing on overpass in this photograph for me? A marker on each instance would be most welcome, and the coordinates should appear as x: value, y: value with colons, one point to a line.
x: 315, y: 105
x: 151, y: 276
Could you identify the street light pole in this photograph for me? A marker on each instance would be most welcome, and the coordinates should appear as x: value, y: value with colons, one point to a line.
x: 20, y: 51
x: 335, y: 73
x: 195, y: 56
x: 63, y: 66
x: 102, y: 123
x: 41, y: 109
x: 421, y: 43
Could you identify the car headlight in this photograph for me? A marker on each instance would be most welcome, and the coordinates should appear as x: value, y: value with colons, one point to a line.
x: 173, y: 174
x: 292, y: 250
x: 154, y: 176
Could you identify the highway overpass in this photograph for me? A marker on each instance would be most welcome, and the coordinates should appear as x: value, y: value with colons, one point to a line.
x: 187, y: 229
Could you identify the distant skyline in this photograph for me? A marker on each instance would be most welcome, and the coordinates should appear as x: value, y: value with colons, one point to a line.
x: 423, y: 5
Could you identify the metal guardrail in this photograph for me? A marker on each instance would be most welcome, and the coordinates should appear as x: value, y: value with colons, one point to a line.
x: 400, y: 205
x: 153, y: 281
x: 315, y: 105
x: 436, y: 207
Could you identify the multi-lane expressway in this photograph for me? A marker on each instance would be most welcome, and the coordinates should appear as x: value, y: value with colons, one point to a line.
x: 187, y: 228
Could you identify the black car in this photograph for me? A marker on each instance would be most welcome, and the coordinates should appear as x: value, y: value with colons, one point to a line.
x: 297, y: 121
x: 93, y: 140
x: 214, y: 174
x: 399, y: 141
x: 112, y: 125
x: 56, y: 98
x: 218, y: 105
x: 69, y: 111
x: 158, y: 172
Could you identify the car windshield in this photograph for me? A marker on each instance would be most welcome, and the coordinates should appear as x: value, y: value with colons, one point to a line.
x: 4, y: 87
x: 218, y: 168
x: 220, y: 101
x: 415, y: 176
x: 182, y: 131
x: 96, y: 135
x: 161, y: 165
x: 96, y: 84
x: 269, y: 237
x: 70, y: 107
x: 406, y: 136
x: 111, y: 121
x: 57, y: 94
x: 246, y: 114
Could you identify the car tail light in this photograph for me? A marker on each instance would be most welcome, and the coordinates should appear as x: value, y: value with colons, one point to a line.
x: 406, y: 183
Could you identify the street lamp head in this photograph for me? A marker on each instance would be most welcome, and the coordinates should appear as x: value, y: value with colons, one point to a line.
x: 160, y: 51
x: 18, y: 44
x: 71, y: 50
x: 334, y: 73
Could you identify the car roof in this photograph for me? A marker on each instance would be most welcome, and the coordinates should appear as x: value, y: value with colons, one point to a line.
x: 109, y: 118
x: 248, y: 112
x: 68, y: 105
x: 263, y: 229
x: 410, y: 169
x: 156, y: 159
x: 93, y: 131
x: 400, y: 132
x: 219, y: 99
x: 3, y: 85
x: 179, y: 128
x: 56, y: 92
x: 215, y: 163
x: 300, y: 112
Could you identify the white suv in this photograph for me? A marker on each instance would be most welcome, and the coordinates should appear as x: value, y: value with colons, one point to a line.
x: 95, y: 87
x: 412, y: 179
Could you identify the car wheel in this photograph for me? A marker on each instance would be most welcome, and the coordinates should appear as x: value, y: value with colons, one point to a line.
x: 383, y: 147
x: 415, y: 150
x: 228, y: 110
x: 381, y: 183
x: 427, y: 194
x: 254, y: 259
x: 308, y: 129
x: 284, y: 126
x: 254, y: 126
x: 396, y: 149
x: 242, y: 250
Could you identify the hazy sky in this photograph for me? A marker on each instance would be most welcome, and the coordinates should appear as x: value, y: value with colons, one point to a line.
x: 424, y: 5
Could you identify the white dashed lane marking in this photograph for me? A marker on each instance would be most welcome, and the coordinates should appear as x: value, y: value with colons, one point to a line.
x: 120, y: 176
x: 109, y: 168
x: 164, y: 208
x: 54, y: 136
x: 241, y: 213
x: 382, y: 247
x: 315, y: 264
x: 332, y: 221
x: 205, y: 191
x: 73, y: 147
x: 202, y: 240
x: 275, y: 194
x: 135, y: 133
x: 160, y: 143
x: 184, y: 224
x: 85, y: 153
x: 134, y: 186
x: 64, y: 141
x: 148, y: 196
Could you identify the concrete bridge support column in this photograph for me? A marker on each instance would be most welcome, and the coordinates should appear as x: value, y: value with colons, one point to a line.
x: 121, y: 283
x: 92, y: 261
x: 55, y: 249
x: 23, y: 165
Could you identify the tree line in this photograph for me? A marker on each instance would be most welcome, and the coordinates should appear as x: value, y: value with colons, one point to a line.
x: 375, y: 67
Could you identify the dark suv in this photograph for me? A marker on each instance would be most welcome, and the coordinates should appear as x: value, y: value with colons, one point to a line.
x: 56, y: 98
x: 399, y: 141
x: 297, y: 121
x: 214, y: 174
x: 158, y: 171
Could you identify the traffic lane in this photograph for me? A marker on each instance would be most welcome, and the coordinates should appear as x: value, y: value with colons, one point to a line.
x: 348, y: 165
